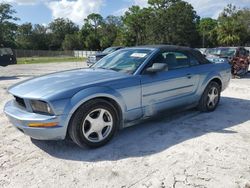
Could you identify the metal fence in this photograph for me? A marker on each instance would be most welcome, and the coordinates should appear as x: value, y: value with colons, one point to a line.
x: 48, y: 53
x: 84, y: 53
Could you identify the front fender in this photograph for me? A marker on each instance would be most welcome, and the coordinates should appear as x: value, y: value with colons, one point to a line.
x: 94, y: 92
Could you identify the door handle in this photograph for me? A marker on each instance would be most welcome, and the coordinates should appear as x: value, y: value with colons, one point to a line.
x: 189, y: 76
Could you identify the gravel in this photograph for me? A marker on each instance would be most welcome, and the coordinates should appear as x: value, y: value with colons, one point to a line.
x: 186, y: 149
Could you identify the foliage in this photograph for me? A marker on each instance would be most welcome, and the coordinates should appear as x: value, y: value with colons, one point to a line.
x: 90, y: 31
x: 135, y: 20
x: 7, y: 25
x: 207, y: 31
x: 58, y: 29
x: 109, y: 31
x: 244, y: 19
x: 24, y: 36
x: 165, y: 21
x: 230, y: 31
x: 72, y: 42
x: 161, y: 22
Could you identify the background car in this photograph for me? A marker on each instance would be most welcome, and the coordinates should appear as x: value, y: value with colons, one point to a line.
x: 238, y: 57
x: 91, y: 105
x: 7, y: 57
x: 94, y: 58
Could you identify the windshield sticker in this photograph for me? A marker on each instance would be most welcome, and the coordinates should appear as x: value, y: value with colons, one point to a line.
x: 138, y: 55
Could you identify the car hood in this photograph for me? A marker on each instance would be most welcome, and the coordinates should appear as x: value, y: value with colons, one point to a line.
x: 63, y: 82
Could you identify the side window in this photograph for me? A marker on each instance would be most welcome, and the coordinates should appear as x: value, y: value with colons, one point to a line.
x: 242, y: 52
x: 174, y: 60
x: 5, y: 51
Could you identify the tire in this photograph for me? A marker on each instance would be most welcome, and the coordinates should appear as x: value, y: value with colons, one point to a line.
x: 94, y: 123
x: 212, y: 92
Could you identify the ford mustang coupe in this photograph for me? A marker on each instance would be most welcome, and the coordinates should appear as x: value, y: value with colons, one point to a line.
x: 131, y: 84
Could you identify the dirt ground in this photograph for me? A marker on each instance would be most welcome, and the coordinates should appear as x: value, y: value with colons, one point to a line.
x: 187, y: 149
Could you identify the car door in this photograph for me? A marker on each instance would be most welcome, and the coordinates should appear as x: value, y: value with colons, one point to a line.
x: 173, y: 87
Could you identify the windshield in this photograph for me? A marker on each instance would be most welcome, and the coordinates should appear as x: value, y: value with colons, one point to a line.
x: 109, y: 50
x: 6, y: 51
x: 127, y: 60
x: 223, y: 52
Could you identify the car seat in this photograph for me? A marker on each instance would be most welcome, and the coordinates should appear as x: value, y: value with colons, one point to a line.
x: 171, y: 61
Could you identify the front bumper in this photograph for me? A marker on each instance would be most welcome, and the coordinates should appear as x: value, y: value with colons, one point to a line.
x: 20, y: 118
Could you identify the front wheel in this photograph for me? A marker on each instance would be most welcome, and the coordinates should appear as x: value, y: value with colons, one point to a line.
x: 94, y: 123
x: 210, y: 98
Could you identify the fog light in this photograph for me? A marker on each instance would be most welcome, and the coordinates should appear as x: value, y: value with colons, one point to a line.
x: 52, y: 124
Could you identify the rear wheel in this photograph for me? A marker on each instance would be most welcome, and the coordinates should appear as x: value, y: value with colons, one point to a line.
x: 94, y: 123
x: 210, y: 98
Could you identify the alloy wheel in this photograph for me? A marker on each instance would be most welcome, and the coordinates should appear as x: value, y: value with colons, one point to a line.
x: 97, y: 125
x: 213, y: 97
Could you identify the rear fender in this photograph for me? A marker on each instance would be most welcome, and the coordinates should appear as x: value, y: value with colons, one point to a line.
x: 208, y: 79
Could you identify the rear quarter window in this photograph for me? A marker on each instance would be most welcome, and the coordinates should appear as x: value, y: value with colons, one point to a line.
x: 193, y: 61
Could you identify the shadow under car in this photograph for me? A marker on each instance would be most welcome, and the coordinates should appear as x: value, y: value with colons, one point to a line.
x: 157, y: 134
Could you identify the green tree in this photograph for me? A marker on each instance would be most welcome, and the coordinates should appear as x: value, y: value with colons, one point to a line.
x: 136, y: 22
x: 24, y: 36
x: 94, y: 21
x: 244, y: 19
x: 90, y: 31
x: 207, y: 30
x: 173, y: 22
x: 182, y: 20
x: 7, y: 25
x: 230, y: 31
x: 72, y: 42
x: 109, y: 31
x: 59, y: 28
x: 40, y: 37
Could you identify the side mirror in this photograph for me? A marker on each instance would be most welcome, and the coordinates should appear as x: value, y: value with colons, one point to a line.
x: 157, y: 67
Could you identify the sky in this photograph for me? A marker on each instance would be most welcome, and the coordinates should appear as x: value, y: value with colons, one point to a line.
x: 44, y: 11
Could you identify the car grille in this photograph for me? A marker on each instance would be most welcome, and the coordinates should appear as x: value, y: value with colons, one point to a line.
x: 20, y: 101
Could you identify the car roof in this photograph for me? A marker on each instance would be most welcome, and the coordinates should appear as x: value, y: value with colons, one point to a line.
x: 196, y: 53
x: 165, y: 47
x: 226, y: 47
x: 116, y: 47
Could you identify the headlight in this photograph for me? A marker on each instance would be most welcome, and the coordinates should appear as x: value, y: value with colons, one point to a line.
x: 41, y: 107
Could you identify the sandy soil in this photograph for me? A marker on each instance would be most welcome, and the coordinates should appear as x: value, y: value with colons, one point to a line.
x: 188, y: 149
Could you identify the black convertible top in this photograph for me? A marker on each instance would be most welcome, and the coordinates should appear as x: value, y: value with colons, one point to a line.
x: 196, y: 53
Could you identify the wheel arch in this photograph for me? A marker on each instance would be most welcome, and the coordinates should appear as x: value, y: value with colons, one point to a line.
x: 95, y: 93
x: 207, y: 81
x: 217, y: 80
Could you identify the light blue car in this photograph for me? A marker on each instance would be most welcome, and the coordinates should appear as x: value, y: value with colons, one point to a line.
x: 91, y: 104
